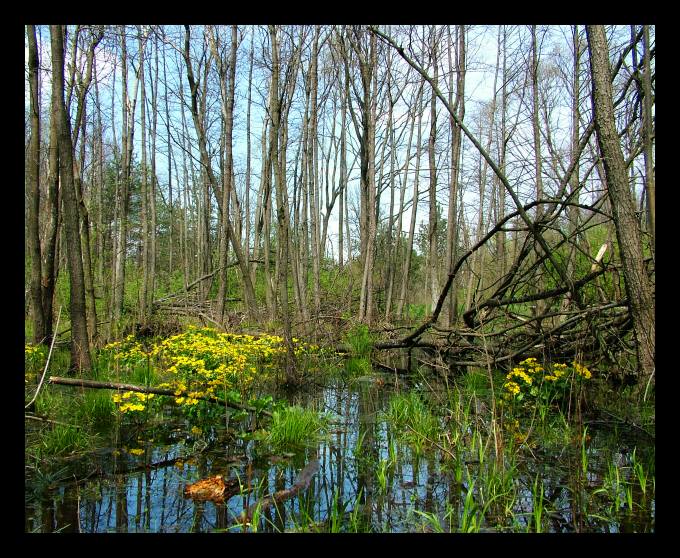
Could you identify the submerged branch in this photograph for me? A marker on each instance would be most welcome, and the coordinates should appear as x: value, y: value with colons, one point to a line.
x: 302, y: 483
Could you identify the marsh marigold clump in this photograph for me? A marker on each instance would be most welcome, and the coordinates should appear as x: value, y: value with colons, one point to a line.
x: 203, y: 363
x: 530, y: 378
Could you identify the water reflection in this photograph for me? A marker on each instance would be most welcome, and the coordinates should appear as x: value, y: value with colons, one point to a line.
x: 145, y: 493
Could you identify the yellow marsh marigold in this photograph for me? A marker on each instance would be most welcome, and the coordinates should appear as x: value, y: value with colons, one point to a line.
x: 512, y: 387
x: 581, y: 370
x: 520, y: 373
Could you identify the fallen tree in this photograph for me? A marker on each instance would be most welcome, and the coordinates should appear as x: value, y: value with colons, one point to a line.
x: 142, y: 389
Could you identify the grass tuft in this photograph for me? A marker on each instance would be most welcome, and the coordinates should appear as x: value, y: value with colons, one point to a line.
x: 295, y: 427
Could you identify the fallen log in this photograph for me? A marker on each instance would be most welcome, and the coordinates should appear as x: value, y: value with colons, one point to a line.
x: 301, y: 483
x: 142, y: 389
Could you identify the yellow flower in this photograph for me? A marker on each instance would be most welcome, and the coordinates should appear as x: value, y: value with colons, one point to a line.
x: 512, y: 387
x: 582, y: 370
x: 519, y: 373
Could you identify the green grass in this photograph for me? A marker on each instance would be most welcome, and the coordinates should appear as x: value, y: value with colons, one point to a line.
x: 295, y: 427
x: 355, y: 367
x: 95, y: 408
x: 412, y: 420
x: 64, y: 439
x: 53, y: 402
x: 475, y: 381
x: 360, y: 341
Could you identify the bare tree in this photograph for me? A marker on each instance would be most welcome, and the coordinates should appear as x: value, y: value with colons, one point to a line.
x: 80, y: 349
x: 456, y: 139
x: 33, y: 184
x: 638, y: 288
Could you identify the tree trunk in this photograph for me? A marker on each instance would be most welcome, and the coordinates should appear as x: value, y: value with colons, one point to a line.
x: 456, y: 139
x: 281, y: 210
x: 312, y: 171
x: 33, y: 183
x: 414, y: 209
x: 539, y: 306
x: 648, y: 137
x: 433, y: 224
x: 638, y: 287
x: 80, y: 350
x: 227, y: 87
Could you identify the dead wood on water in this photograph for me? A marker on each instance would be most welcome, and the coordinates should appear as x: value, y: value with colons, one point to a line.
x: 301, y: 483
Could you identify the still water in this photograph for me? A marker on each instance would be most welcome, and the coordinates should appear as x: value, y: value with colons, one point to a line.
x: 368, y: 480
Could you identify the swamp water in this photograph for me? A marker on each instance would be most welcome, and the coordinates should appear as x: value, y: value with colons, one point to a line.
x: 370, y: 478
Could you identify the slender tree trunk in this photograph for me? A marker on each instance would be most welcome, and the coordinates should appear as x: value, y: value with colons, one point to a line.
x: 80, y: 350
x: 81, y: 125
x: 171, y: 227
x: 312, y: 172
x: 368, y: 184
x: 33, y: 183
x: 648, y: 136
x: 228, y: 88
x: 390, y: 256
x: 539, y: 305
x: 128, y: 114
x: 85, y: 239
x: 456, y: 139
x: 502, y: 143
x: 573, y: 211
x: 144, y: 291
x: 248, y: 149
x: 151, y: 269
x: 433, y: 224
x: 281, y: 210
x: 414, y: 210
x: 343, y: 173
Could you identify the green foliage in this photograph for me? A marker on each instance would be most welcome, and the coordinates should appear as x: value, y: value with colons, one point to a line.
x: 63, y: 439
x: 412, y: 420
x: 475, y: 381
x: 415, y: 312
x: 356, y: 367
x: 34, y: 362
x: 530, y: 384
x: 360, y: 341
x: 96, y: 407
x: 295, y: 427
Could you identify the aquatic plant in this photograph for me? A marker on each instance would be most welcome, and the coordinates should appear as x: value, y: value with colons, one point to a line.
x: 532, y: 383
x: 34, y: 359
x: 201, y: 363
x: 96, y: 408
x: 537, y: 507
x: 360, y: 341
x: 295, y: 427
x: 64, y: 438
x: 412, y: 420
